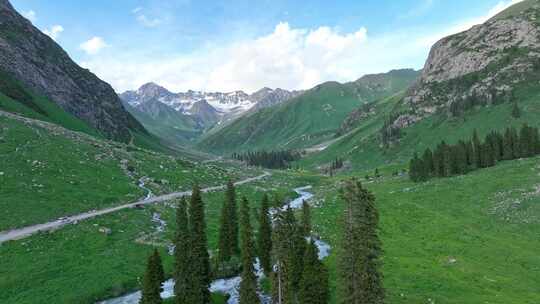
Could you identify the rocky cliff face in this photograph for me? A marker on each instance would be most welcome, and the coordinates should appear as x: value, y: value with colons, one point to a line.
x: 483, y: 65
x: 43, y: 66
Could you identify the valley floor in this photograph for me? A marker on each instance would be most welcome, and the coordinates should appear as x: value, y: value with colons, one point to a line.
x: 466, y: 239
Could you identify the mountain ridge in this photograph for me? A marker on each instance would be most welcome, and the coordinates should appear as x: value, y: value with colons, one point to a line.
x: 43, y: 66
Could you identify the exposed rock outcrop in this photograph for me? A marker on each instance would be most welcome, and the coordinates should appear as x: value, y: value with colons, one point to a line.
x: 482, y: 65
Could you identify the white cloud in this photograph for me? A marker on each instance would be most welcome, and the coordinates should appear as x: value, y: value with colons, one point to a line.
x: 93, y: 46
x: 148, y: 22
x: 144, y: 20
x: 30, y: 15
x: 290, y: 58
x: 419, y: 10
x: 54, y: 32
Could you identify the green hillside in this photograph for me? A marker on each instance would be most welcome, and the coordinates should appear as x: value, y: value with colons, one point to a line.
x: 15, y: 98
x: 363, y: 146
x: 173, y: 127
x: 309, y: 119
x: 48, y: 171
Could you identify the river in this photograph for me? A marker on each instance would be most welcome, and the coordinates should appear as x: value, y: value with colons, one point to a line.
x: 230, y: 286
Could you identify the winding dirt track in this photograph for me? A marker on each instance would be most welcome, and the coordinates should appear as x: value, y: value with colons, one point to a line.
x: 21, y: 233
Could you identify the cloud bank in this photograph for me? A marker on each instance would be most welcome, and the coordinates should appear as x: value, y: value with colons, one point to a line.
x: 291, y: 58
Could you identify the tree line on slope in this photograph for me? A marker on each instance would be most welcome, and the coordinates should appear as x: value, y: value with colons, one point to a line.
x: 270, y: 160
x: 468, y: 155
x: 284, y: 247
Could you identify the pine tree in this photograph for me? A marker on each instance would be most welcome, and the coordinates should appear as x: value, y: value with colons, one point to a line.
x: 469, y: 150
x: 359, y: 265
x: 508, y: 145
x: 289, y: 245
x: 427, y: 160
x: 314, y: 288
x: 264, y: 239
x: 447, y: 159
x: 228, y: 232
x: 248, y: 286
x: 159, y: 267
x: 200, y: 262
x: 306, y: 219
x: 182, y: 255
x: 536, y: 141
x: 151, y: 288
x: 414, y: 168
x: 516, y: 112
x: 477, y: 159
x: 524, y: 141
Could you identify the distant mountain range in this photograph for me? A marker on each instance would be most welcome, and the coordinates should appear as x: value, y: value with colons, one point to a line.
x: 309, y: 118
x: 196, y: 111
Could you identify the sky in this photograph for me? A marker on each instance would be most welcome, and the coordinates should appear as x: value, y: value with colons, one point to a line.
x: 227, y: 45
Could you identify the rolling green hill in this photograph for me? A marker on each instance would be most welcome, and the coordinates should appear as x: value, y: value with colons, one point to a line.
x: 308, y: 119
x: 48, y: 171
x: 173, y: 127
x: 451, y: 97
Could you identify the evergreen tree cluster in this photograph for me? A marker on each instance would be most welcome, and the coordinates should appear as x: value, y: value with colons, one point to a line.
x: 360, y: 260
x: 461, y: 106
x: 192, y: 261
x: 389, y: 132
x: 270, y: 160
x: 449, y: 160
x: 299, y: 276
x: 334, y: 166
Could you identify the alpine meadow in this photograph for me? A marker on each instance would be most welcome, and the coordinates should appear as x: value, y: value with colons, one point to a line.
x: 274, y: 152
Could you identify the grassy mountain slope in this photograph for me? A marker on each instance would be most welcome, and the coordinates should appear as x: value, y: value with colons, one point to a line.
x: 48, y: 171
x: 39, y: 63
x: 452, y: 97
x: 173, y: 127
x: 467, y: 239
x: 307, y: 119
x: 363, y: 148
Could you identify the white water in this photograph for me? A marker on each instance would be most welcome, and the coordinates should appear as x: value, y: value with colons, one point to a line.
x: 231, y: 286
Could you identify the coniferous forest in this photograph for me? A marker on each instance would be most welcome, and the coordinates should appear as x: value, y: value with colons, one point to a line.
x: 282, y: 245
x: 270, y: 160
x: 468, y: 155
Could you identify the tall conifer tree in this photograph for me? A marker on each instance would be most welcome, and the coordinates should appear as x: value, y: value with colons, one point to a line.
x: 314, y: 288
x: 151, y: 289
x: 306, y: 219
x: 264, y: 239
x: 200, y: 261
x: 182, y: 255
x: 248, y: 285
x: 359, y: 265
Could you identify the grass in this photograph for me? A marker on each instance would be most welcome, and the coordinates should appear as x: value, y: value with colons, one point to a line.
x: 424, y: 228
x: 443, y: 240
x: 306, y: 120
x: 78, y: 264
x: 362, y: 147
x: 48, y: 172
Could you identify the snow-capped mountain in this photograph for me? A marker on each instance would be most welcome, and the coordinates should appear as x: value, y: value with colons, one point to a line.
x: 209, y: 108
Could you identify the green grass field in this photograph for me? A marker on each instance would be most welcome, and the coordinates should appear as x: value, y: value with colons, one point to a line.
x: 362, y: 147
x: 79, y: 264
x: 454, y: 240
x: 466, y: 239
x: 47, y: 173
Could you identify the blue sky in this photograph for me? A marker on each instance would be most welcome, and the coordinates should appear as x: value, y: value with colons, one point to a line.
x: 229, y: 45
